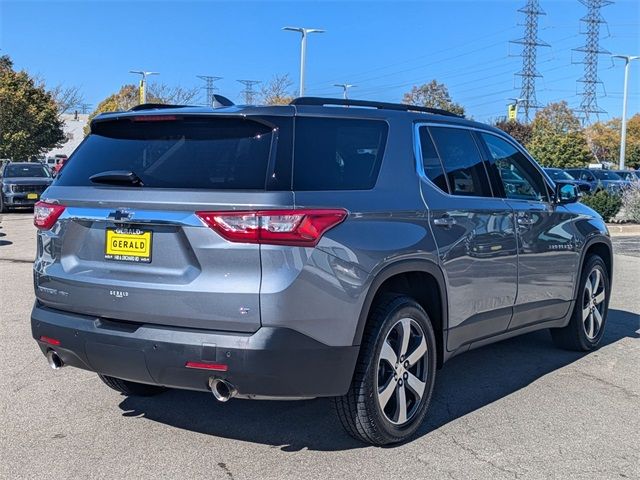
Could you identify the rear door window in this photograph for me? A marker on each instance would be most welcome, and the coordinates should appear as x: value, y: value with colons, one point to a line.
x: 337, y: 154
x: 177, y: 152
x: 465, y: 170
x: 431, y: 163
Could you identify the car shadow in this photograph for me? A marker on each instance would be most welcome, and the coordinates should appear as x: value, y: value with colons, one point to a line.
x: 467, y: 383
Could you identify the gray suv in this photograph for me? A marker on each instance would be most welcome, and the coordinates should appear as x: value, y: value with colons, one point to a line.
x: 328, y: 248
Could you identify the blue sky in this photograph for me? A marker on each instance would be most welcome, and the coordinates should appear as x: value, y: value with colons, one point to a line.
x: 382, y: 47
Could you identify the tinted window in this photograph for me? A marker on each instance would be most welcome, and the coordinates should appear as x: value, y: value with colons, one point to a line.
x: 606, y: 175
x: 337, y: 154
x: 26, y: 170
x: 193, y: 153
x: 519, y: 178
x: 430, y: 160
x: 557, y: 174
x: 462, y: 162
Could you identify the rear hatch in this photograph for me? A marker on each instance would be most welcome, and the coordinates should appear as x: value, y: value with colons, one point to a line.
x: 130, y: 244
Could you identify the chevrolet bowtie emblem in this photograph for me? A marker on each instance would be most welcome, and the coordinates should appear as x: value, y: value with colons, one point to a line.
x: 120, y: 215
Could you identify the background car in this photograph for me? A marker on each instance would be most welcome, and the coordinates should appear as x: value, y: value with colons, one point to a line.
x: 599, y: 179
x: 557, y: 174
x: 22, y: 183
x: 629, y: 175
x: 60, y: 161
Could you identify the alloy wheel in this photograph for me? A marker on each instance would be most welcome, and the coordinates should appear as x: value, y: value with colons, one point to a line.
x: 593, y: 304
x: 402, y: 371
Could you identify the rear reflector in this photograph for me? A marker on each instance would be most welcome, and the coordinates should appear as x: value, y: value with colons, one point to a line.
x: 218, y: 367
x: 274, y: 227
x: 46, y: 214
x: 50, y: 341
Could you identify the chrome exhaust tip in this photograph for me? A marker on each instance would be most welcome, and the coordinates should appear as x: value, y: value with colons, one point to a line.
x: 54, y: 360
x: 222, y: 389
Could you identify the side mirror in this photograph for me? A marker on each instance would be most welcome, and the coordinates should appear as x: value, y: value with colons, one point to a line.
x: 566, y: 193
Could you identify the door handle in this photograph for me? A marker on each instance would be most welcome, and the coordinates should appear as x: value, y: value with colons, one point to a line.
x: 445, y: 221
x: 526, y: 220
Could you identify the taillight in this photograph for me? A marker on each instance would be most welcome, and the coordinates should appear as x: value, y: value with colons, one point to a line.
x: 46, y: 214
x: 275, y: 227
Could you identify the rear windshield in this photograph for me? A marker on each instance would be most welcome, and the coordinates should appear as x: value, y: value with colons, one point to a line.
x: 190, y: 153
x: 25, y: 170
x: 234, y: 153
x: 337, y: 154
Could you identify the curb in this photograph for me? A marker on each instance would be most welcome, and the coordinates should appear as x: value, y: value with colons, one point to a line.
x: 617, y: 229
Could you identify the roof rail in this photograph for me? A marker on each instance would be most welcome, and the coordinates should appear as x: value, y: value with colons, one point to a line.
x: 319, y: 101
x: 152, y: 106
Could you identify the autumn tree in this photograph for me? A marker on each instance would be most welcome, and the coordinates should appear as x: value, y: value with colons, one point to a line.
x: 518, y: 130
x: 29, y: 123
x: 277, y: 91
x: 604, y: 140
x: 432, y: 95
x: 557, y: 138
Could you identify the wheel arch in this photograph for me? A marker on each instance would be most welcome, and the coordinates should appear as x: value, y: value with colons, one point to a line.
x: 405, y: 277
x: 601, y: 246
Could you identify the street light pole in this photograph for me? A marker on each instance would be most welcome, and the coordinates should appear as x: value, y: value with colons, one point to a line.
x: 623, y: 131
x: 303, y: 50
x: 143, y: 83
x: 345, y: 88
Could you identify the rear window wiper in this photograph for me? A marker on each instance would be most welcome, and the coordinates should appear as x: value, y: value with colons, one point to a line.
x: 117, y: 177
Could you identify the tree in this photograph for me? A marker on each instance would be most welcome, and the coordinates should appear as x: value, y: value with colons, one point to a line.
x: 604, y: 140
x: 277, y: 91
x: 66, y: 98
x: 520, y: 131
x: 432, y: 95
x: 557, y: 138
x: 176, y: 95
x: 29, y: 123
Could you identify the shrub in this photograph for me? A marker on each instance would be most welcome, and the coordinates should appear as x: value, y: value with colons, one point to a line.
x: 631, y: 203
x: 606, y: 204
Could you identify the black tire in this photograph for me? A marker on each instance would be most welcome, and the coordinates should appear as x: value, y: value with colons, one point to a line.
x: 131, y: 388
x: 3, y: 208
x: 575, y: 336
x: 359, y: 410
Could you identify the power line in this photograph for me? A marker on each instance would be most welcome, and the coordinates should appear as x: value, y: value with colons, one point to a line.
x: 590, y: 50
x: 530, y: 43
x: 248, y: 92
x: 84, y: 107
x: 210, y: 88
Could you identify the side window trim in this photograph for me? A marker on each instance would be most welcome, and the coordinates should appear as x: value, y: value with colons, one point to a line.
x: 417, y: 149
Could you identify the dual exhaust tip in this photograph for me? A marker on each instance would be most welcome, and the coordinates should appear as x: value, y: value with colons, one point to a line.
x: 222, y: 389
x: 54, y: 360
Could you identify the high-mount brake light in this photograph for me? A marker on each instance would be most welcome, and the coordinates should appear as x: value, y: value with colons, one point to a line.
x: 154, y: 118
x: 46, y: 214
x: 302, y: 227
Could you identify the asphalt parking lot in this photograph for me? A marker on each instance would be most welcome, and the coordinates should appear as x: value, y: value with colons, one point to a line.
x: 517, y: 409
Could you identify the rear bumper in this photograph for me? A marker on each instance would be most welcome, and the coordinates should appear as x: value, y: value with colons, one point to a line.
x: 272, y: 362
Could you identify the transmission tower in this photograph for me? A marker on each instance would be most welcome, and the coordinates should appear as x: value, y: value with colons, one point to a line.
x: 209, y: 87
x: 84, y: 107
x: 249, y: 92
x: 590, y: 50
x: 530, y: 43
